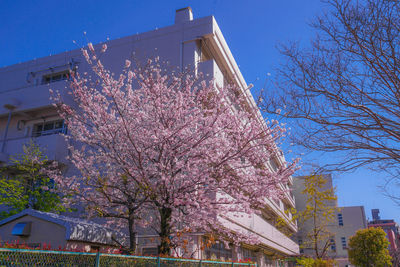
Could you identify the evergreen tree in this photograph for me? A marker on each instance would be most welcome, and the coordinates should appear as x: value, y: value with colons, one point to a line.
x: 369, y: 247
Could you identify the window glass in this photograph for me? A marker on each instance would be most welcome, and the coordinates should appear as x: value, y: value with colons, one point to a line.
x: 218, y: 251
x: 248, y: 254
x: 301, y: 246
x: 340, y: 219
x: 344, y: 245
x: 48, y: 128
x: 22, y: 229
x: 55, y: 77
x: 333, y: 245
x: 58, y: 124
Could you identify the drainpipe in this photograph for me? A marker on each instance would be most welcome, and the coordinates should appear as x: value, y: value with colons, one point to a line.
x: 10, y: 108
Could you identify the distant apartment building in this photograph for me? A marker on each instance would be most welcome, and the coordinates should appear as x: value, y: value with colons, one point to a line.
x: 347, y: 220
x: 390, y: 227
x: 26, y: 112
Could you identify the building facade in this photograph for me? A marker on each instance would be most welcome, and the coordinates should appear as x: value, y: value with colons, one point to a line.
x: 26, y: 112
x: 347, y: 220
x: 390, y: 227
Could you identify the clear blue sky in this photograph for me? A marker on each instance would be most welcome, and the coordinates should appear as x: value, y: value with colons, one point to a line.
x: 252, y: 29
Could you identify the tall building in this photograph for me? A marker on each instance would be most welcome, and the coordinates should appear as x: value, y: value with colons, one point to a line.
x: 26, y: 112
x: 390, y: 227
x: 347, y: 220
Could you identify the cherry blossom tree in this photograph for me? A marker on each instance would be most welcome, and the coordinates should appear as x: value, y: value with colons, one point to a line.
x: 169, y: 150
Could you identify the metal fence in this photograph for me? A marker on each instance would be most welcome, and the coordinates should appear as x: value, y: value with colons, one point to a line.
x: 28, y: 257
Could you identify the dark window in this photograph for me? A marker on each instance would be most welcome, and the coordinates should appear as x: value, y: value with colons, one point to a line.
x: 333, y: 244
x: 344, y: 244
x: 301, y: 246
x: 340, y: 219
x: 55, y: 77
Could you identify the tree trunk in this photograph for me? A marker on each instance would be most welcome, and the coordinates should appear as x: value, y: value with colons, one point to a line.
x: 132, y: 233
x: 165, y: 231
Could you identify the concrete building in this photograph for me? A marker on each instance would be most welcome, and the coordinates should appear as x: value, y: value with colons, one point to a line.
x: 347, y: 221
x: 390, y: 227
x: 26, y: 111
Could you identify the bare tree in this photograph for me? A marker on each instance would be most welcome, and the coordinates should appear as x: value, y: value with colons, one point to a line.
x: 343, y: 93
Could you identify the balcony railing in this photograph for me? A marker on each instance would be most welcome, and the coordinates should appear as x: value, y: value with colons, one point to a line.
x: 53, y: 145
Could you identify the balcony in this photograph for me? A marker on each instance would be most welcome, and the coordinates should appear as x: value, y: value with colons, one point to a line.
x: 53, y: 145
x: 31, y: 97
x: 267, y: 233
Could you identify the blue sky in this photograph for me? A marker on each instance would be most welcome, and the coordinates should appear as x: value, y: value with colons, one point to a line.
x: 252, y: 29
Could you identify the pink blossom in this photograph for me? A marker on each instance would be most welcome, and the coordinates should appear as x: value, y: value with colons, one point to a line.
x: 170, y: 147
x: 91, y: 48
x: 104, y: 48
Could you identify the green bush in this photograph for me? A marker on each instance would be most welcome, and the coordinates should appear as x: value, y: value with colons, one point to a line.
x: 310, y: 262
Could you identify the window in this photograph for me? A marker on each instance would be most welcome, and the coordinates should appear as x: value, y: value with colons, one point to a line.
x: 218, y: 251
x: 22, y: 229
x: 340, y: 219
x: 248, y: 254
x: 333, y: 244
x: 268, y: 260
x: 344, y: 245
x: 55, y: 77
x: 301, y: 246
x: 47, y: 128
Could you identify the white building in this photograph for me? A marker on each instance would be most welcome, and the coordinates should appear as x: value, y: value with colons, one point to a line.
x: 26, y: 111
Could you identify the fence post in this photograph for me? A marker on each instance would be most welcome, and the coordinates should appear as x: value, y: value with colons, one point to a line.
x: 158, y: 261
x: 97, y: 264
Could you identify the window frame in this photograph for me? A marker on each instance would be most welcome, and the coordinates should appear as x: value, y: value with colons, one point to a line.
x: 38, y: 129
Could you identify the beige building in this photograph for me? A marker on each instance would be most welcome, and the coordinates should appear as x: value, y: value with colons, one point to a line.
x: 37, y: 229
x: 347, y: 221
